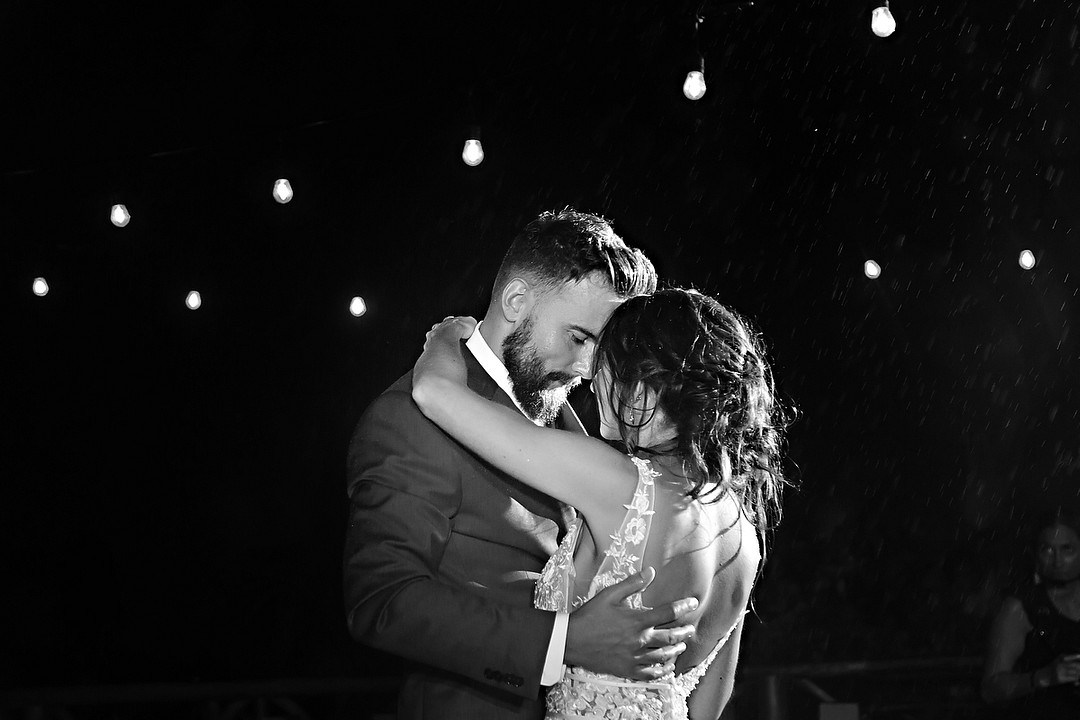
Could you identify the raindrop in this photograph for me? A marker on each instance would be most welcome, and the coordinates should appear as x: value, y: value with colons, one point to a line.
x: 41, y: 288
x: 194, y: 300
x: 872, y: 269
x: 357, y: 306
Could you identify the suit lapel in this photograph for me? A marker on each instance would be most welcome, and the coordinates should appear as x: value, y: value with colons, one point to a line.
x: 483, y: 384
x: 533, y: 500
x: 569, y: 420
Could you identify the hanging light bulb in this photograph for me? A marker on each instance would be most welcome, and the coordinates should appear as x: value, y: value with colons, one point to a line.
x: 694, y: 85
x: 282, y: 191
x: 882, y: 21
x: 41, y: 288
x: 357, y: 306
x: 871, y: 269
x: 194, y: 300
x: 1027, y: 259
x: 473, y: 152
x: 119, y: 215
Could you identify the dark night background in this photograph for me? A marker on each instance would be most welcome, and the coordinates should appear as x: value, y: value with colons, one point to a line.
x: 172, y: 502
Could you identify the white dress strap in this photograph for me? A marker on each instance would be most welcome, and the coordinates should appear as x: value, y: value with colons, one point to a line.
x: 624, y: 556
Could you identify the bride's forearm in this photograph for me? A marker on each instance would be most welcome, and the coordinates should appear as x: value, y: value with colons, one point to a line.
x: 502, y: 436
x: 571, y: 467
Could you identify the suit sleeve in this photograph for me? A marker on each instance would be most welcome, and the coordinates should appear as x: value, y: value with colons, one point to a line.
x: 404, y: 491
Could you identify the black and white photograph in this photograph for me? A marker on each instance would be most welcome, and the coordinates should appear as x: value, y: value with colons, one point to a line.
x: 556, y: 361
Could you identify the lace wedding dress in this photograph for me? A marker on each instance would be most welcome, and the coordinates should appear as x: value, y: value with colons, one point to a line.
x: 588, y: 695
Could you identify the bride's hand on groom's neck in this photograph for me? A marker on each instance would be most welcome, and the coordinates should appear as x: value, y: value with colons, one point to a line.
x: 441, y: 363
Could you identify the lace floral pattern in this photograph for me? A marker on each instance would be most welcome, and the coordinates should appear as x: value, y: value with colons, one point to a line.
x: 556, y: 582
x: 585, y: 694
x: 623, y: 557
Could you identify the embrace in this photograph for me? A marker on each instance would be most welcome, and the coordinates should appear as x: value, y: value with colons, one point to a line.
x: 527, y: 568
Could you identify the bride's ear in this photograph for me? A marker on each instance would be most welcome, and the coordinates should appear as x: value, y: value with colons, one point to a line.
x: 653, y: 421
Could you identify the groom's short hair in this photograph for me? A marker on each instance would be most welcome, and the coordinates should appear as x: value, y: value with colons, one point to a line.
x: 563, y: 247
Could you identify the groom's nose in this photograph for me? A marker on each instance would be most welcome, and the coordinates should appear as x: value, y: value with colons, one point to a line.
x: 582, y: 366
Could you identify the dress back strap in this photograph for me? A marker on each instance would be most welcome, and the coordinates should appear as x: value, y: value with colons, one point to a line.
x: 626, y: 552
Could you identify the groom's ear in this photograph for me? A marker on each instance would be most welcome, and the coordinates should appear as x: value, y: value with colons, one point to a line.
x: 515, y: 300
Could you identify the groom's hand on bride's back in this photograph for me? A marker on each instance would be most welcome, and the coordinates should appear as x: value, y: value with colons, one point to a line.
x: 605, y: 635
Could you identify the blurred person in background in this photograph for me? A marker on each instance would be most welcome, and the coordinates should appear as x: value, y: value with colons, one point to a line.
x: 1033, y: 658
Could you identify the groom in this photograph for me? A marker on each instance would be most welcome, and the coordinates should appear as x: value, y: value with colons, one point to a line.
x: 443, y: 550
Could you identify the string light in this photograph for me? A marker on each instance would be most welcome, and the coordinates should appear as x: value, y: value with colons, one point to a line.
x: 1027, y: 259
x: 694, y: 85
x: 283, y: 191
x: 882, y: 22
x: 357, y: 306
x: 194, y: 300
x: 40, y: 287
x: 473, y: 152
x: 871, y: 269
x: 119, y: 215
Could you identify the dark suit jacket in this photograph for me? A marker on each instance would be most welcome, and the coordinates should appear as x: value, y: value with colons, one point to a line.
x: 441, y: 555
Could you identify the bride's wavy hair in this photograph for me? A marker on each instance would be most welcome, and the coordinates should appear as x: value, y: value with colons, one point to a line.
x: 705, y: 367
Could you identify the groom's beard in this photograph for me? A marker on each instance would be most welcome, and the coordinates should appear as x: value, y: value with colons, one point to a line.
x: 532, y: 384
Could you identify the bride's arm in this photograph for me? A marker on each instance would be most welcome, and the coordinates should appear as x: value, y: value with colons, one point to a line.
x: 578, y: 470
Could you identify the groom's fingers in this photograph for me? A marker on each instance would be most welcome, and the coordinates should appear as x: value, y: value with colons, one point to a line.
x: 667, y: 637
x: 646, y: 673
x: 662, y: 655
x: 620, y: 591
x: 669, y: 613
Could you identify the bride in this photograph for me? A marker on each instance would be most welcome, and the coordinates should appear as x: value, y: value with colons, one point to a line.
x: 684, y: 385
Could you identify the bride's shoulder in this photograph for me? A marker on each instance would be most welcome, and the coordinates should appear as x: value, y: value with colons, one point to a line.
x: 713, y: 522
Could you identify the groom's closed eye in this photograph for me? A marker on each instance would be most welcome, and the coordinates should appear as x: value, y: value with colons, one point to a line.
x: 580, y: 334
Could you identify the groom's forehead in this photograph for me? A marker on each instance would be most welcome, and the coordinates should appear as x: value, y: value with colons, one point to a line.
x: 584, y: 290
x: 585, y: 303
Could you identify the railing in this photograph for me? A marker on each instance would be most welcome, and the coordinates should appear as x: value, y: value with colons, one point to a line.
x: 766, y: 693
x: 931, y: 687
x: 373, y: 698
